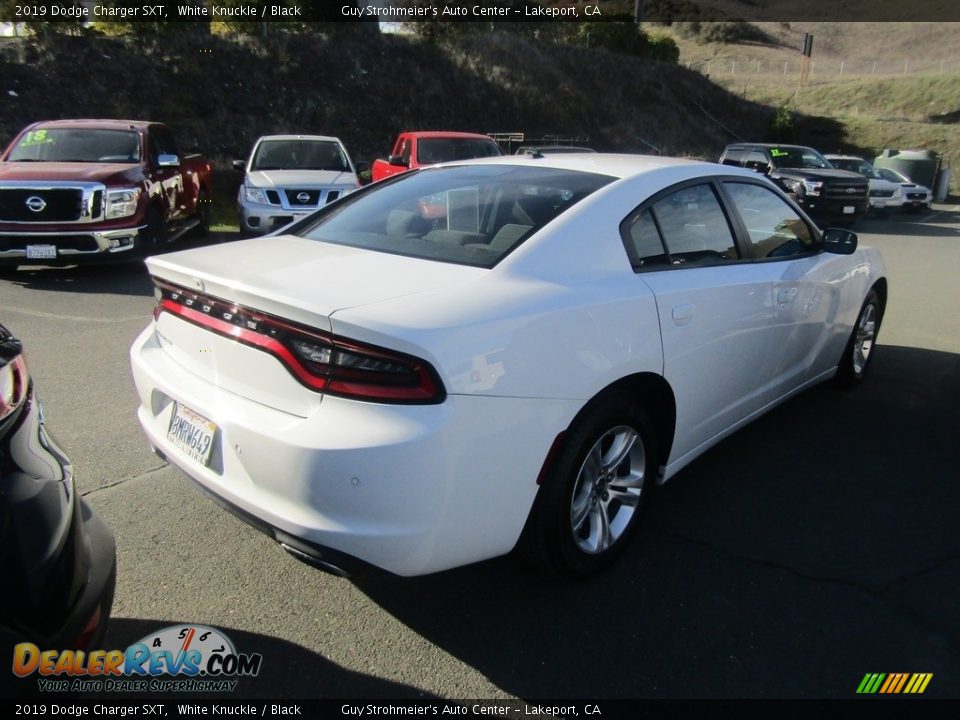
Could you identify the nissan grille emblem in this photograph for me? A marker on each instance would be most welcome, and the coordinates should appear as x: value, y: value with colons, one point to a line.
x: 36, y: 204
x: 303, y: 197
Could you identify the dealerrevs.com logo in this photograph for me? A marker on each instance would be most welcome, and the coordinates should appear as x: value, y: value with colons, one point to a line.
x: 179, y: 658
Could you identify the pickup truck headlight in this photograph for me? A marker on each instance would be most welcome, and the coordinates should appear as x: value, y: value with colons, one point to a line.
x: 254, y: 195
x: 812, y: 187
x: 121, y: 203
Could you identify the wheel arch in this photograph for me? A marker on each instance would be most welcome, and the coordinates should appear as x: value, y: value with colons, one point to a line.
x: 654, y: 395
x: 880, y: 287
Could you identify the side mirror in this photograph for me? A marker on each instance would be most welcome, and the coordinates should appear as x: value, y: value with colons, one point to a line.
x: 839, y: 241
x: 397, y: 160
x: 239, y: 165
x: 165, y: 161
x: 758, y: 166
x: 362, y: 167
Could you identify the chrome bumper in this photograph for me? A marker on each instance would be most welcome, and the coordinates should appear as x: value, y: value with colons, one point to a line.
x: 13, y: 245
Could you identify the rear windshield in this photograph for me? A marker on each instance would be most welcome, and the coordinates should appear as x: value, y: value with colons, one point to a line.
x: 469, y: 215
x: 300, y: 155
x: 77, y: 145
x: 438, y: 150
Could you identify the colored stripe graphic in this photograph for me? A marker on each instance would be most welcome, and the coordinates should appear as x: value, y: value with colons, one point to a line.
x: 894, y: 683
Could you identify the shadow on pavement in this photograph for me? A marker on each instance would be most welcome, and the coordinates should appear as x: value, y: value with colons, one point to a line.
x: 287, y: 670
x: 128, y: 278
x: 923, y: 223
x: 815, y: 545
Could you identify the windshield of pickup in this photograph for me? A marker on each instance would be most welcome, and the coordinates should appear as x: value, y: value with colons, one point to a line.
x: 77, y: 145
x: 468, y: 215
x: 300, y: 155
x: 798, y: 157
x: 438, y: 150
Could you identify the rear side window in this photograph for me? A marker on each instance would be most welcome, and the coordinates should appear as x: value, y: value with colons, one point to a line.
x: 686, y: 227
x: 733, y: 157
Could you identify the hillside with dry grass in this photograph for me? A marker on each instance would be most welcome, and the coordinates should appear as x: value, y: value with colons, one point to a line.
x: 884, y: 85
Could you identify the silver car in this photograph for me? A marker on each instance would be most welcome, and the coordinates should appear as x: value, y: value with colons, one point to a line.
x: 288, y: 177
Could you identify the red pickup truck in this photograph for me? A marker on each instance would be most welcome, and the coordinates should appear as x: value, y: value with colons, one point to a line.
x: 416, y: 149
x: 77, y: 190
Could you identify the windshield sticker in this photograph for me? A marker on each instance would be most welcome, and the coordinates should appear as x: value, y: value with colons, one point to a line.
x: 35, y: 137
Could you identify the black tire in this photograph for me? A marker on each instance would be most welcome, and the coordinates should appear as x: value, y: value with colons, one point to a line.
x: 583, y: 487
x: 154, y: 237
x: 203, y: 214
x: 861, y: 347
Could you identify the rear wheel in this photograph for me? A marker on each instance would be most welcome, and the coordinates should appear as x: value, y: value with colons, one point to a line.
x: 203, y: 214
x: 154, y: 236
x: 860, y: 347
x: 594, y: 492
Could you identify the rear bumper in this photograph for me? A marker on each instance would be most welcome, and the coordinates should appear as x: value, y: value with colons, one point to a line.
x: 409, y: 489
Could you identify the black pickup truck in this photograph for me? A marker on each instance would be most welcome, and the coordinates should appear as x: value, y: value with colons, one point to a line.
x: 827, y: 194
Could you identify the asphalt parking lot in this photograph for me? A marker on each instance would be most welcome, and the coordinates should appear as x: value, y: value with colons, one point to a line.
x: 816, y: 545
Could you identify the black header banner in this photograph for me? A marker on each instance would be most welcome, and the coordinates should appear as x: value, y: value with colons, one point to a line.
x: 479, y: 11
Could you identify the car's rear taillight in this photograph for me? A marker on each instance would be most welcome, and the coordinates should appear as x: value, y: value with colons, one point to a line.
x: 319, y: 360
x: 13, y: 378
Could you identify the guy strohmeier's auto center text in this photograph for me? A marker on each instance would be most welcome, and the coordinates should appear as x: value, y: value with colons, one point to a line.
x: 449, y: 12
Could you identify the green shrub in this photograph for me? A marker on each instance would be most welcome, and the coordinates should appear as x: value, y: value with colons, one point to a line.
x: 783, y: 127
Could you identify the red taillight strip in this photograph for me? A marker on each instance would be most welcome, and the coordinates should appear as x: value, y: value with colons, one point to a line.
x: 249, y: 337
x: 337, y: 380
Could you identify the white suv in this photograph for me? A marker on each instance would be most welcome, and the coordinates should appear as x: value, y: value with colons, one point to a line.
x: 287, y: 177
x: 882, y: 193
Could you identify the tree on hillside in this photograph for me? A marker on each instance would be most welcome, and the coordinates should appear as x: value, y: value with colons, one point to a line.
x: 40, y: 24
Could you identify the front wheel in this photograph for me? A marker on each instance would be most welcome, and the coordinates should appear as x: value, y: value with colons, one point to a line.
x: 860, y: 347
x: 593, y: 493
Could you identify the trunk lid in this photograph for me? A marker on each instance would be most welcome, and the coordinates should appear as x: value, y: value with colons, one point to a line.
x: 304, y: 281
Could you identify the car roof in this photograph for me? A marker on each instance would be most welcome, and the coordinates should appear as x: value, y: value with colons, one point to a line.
x: 750, y: 146
x: 95, y: 124
x: 553, y: 148
x: 833, y: 156
x: 326, y: 138
x: 444, y: 133
x: 614, y: 165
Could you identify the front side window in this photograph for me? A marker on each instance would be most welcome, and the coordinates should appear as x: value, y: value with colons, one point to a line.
x: 469, y: 215
x: 77, y: 145
x: 774, y: 228
x: 300, y: 155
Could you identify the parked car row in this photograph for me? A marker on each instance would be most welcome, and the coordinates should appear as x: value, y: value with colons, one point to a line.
x: 832, y: 188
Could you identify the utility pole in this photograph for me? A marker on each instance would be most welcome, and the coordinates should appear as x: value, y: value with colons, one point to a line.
x: 638, y: 11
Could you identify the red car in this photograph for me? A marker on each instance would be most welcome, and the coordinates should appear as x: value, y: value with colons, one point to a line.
x: 416, y: 149
x: 75, y: 190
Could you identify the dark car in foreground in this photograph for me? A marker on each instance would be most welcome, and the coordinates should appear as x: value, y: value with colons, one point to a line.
x: 57, y: 558
x: 828, y: 195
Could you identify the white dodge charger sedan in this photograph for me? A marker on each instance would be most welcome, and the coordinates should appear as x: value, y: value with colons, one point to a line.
x: 492, y: 354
